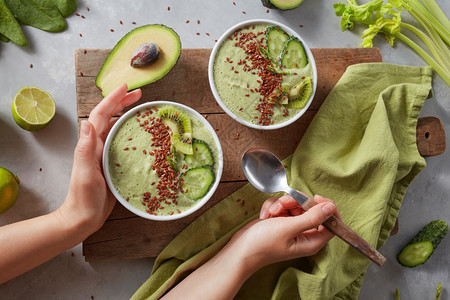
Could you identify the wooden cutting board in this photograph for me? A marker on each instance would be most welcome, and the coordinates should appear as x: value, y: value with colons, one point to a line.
x: 125, y: 235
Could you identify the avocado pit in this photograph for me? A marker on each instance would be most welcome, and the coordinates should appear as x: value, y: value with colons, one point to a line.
x: 144, y: 55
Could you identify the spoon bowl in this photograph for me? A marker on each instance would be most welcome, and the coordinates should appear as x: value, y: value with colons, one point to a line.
x: 264, y: 171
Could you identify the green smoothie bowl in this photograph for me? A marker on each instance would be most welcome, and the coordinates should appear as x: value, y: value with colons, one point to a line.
x: 262, y: 74
x: 162, y: 160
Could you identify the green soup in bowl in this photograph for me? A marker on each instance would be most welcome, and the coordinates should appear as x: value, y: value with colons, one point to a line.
x: 262, y: 74
x: 162, y: 160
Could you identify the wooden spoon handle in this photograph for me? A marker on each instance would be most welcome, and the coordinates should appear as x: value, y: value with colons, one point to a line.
x: 338, y: 227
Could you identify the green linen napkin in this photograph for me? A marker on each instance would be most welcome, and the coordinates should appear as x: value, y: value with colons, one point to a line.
x: 359, y: 150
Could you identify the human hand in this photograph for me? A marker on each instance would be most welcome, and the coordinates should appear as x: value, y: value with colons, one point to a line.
x: 89, y: 201
x: 284, y: 231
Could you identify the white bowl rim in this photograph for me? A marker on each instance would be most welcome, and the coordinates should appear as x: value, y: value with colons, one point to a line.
x: 213, y: 86
x: 125, y: 203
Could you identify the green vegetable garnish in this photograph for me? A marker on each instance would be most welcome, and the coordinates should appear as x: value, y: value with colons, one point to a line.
x: 423, y: 244
x: 387, y: 18
x: 438, y: 291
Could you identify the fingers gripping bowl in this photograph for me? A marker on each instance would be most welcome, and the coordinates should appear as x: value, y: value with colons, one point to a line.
x: 162, y: 160
x: 262, y: 74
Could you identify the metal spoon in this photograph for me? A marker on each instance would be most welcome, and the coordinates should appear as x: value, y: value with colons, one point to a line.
x: 266, y: 173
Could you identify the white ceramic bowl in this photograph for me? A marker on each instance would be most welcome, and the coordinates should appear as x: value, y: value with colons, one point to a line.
x: 213, y: 86
x: 200, y: 202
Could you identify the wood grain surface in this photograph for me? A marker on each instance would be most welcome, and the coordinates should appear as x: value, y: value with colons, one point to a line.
x: 126, y: 236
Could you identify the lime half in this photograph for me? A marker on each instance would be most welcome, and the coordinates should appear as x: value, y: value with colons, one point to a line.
x: 33, y: 108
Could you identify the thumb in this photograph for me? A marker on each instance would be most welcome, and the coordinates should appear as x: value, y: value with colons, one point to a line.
x: 311, y: 218
x: 84, y: 155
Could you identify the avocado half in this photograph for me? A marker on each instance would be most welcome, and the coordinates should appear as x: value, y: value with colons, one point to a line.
x: 117, y: 68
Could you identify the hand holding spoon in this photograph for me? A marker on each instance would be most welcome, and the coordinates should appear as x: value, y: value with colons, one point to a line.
x: 266, y: 173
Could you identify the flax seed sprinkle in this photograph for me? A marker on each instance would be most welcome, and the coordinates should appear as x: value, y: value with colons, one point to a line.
x: 169, y: 183
x: 270, y: 83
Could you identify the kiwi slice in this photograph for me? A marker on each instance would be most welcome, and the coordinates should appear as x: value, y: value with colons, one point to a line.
x: 183, y: 143
x: 178, y: 121
x: 180, y: 125
x: 299, y: 94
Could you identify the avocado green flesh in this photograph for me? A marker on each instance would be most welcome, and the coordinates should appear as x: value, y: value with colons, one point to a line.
x: 41, y: 14
x: 9, y: 26
x: 135, y: 174
x: 117, y: 68
x: 286, y: 4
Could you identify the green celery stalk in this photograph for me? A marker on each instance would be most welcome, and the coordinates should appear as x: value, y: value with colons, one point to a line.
x: 425, y: 14
x: 437, y: 13
x: 440, y: 57
x: 386, y: 18
x: 441, y: 71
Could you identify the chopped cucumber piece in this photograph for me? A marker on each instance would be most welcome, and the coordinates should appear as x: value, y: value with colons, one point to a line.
x: 422, y: 245
x: 415, y: 254
x: 282, y: 4
x: 197, y: 181
x: 293, y: 55
x: 276, y: 38
x: 201, y: 156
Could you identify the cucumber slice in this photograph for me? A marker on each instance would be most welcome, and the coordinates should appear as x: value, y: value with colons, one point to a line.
x: 276, y: 38
x: 293, y: 55
x: 415, y: 254
x: 197, y: 181
x: 201, y: 156
x: 282, y: 4
x: 422, y: 245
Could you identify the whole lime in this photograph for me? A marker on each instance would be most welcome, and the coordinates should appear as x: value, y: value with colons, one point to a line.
x: 9, y: 189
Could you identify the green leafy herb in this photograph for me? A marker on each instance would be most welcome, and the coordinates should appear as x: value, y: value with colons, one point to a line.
x: 66, y: 7
x: 9, y: 26
x: 43, y: 15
